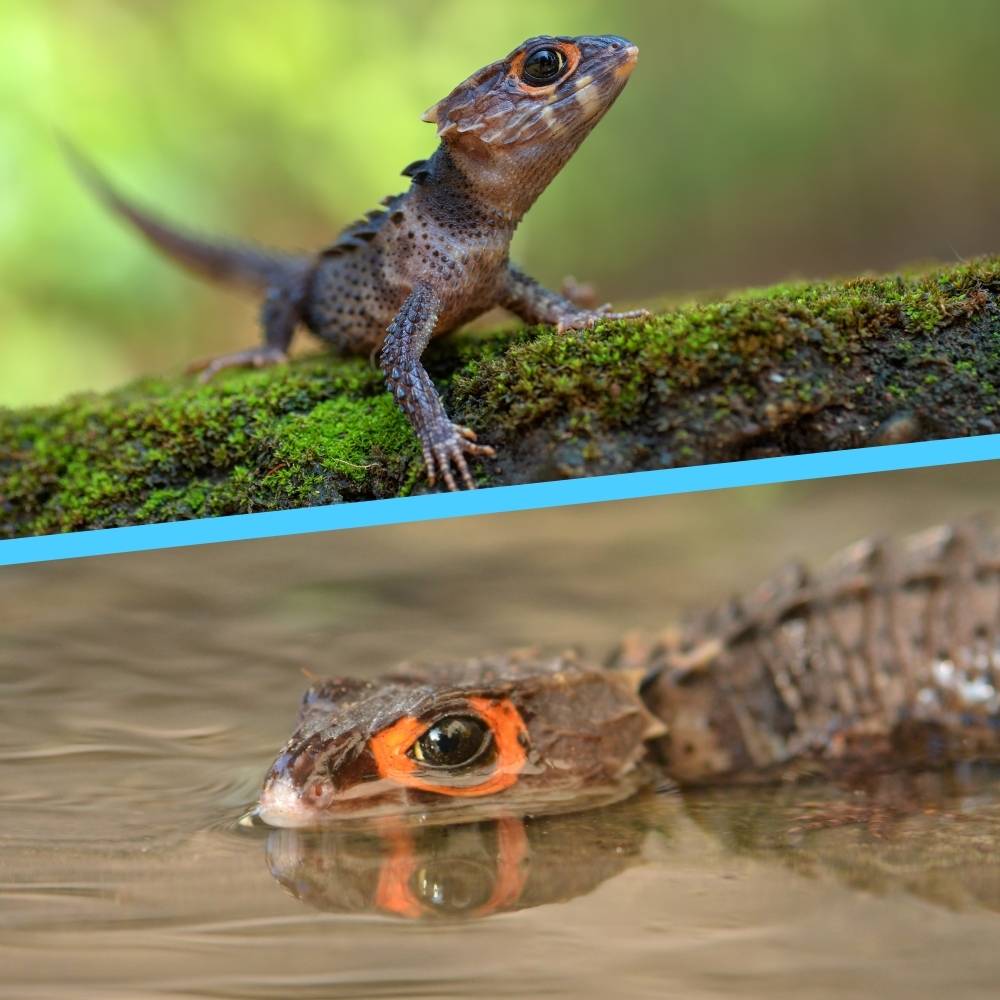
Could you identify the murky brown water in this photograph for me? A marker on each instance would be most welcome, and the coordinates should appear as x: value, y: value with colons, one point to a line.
x: 142, y: 697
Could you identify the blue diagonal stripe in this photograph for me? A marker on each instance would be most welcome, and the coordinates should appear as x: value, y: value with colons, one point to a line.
x: 501, y: 499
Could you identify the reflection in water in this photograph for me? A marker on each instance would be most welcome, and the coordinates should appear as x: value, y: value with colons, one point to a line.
x: 934, y: 835
x: 465, y: 871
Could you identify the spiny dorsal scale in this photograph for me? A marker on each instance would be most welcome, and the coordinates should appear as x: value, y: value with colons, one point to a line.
x: 886, y: 636
x: 415, y: 167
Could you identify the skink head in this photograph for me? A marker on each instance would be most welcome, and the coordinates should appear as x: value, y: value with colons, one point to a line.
x: 546, y: 89
x: 514, y: 734
x: 511, y: 127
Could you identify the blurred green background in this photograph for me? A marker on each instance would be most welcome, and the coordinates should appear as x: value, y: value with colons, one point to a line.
x: 758, y: 139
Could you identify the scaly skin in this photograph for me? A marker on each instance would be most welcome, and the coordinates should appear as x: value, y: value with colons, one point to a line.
x: 890, y: 657
x: 437, y: 255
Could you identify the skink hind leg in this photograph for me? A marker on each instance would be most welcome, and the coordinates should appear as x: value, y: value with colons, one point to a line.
x: 444, y: 444
x: 278, y: 316
x: 262, y: 356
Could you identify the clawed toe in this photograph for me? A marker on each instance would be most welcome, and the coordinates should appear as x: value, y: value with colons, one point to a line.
x: 582, y: 321
x: 607, y: 312
x: 588, y: 320
x: 444, y: 458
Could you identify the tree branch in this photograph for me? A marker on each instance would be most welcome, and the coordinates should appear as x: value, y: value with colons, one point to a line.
x: 793, y: 369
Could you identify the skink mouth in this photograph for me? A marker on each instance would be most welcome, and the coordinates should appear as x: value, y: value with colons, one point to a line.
x: 282, y: 805
x: 627, y: 62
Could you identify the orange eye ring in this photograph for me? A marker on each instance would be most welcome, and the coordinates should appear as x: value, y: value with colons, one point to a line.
x: 391, y: 747
x: 570, y: 52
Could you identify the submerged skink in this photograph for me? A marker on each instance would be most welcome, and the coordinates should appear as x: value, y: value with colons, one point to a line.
x: 888, y: 657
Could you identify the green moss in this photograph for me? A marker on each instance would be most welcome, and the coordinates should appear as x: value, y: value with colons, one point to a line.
x: 766, y: 371
x: 159, y: 450
x: 618, y: 369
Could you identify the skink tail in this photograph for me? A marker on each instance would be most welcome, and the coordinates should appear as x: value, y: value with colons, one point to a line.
x: 219, y: 261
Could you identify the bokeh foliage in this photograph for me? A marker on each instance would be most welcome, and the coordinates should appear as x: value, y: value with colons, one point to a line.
x: 759, y: 139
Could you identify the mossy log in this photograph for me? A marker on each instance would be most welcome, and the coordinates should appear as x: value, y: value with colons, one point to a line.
x: 792, y: 369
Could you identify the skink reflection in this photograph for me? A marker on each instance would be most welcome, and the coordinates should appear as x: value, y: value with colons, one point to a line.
x: 467, y: 871
x: 932, y: 835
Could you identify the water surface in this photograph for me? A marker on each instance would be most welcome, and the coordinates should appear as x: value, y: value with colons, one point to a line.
x: 142, y: 698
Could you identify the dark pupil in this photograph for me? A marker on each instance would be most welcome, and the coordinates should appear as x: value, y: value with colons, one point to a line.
x: 453, y: 741
x: 543, y: 66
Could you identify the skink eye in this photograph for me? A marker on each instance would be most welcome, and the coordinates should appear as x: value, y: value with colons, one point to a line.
x: 453, y: 742
x: 479, y: 750
x: 543, y: 66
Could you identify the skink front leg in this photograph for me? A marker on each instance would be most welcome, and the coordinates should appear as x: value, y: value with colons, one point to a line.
x: 444, y: 444
x: 534, y: 303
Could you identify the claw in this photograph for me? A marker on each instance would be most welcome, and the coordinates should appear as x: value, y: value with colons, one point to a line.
x: 444, y: 458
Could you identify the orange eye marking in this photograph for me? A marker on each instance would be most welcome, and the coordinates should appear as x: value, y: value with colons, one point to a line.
x: 390, y: 748
x: 570, y: 51
x: 512, y: 851
x: 393, y: 893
